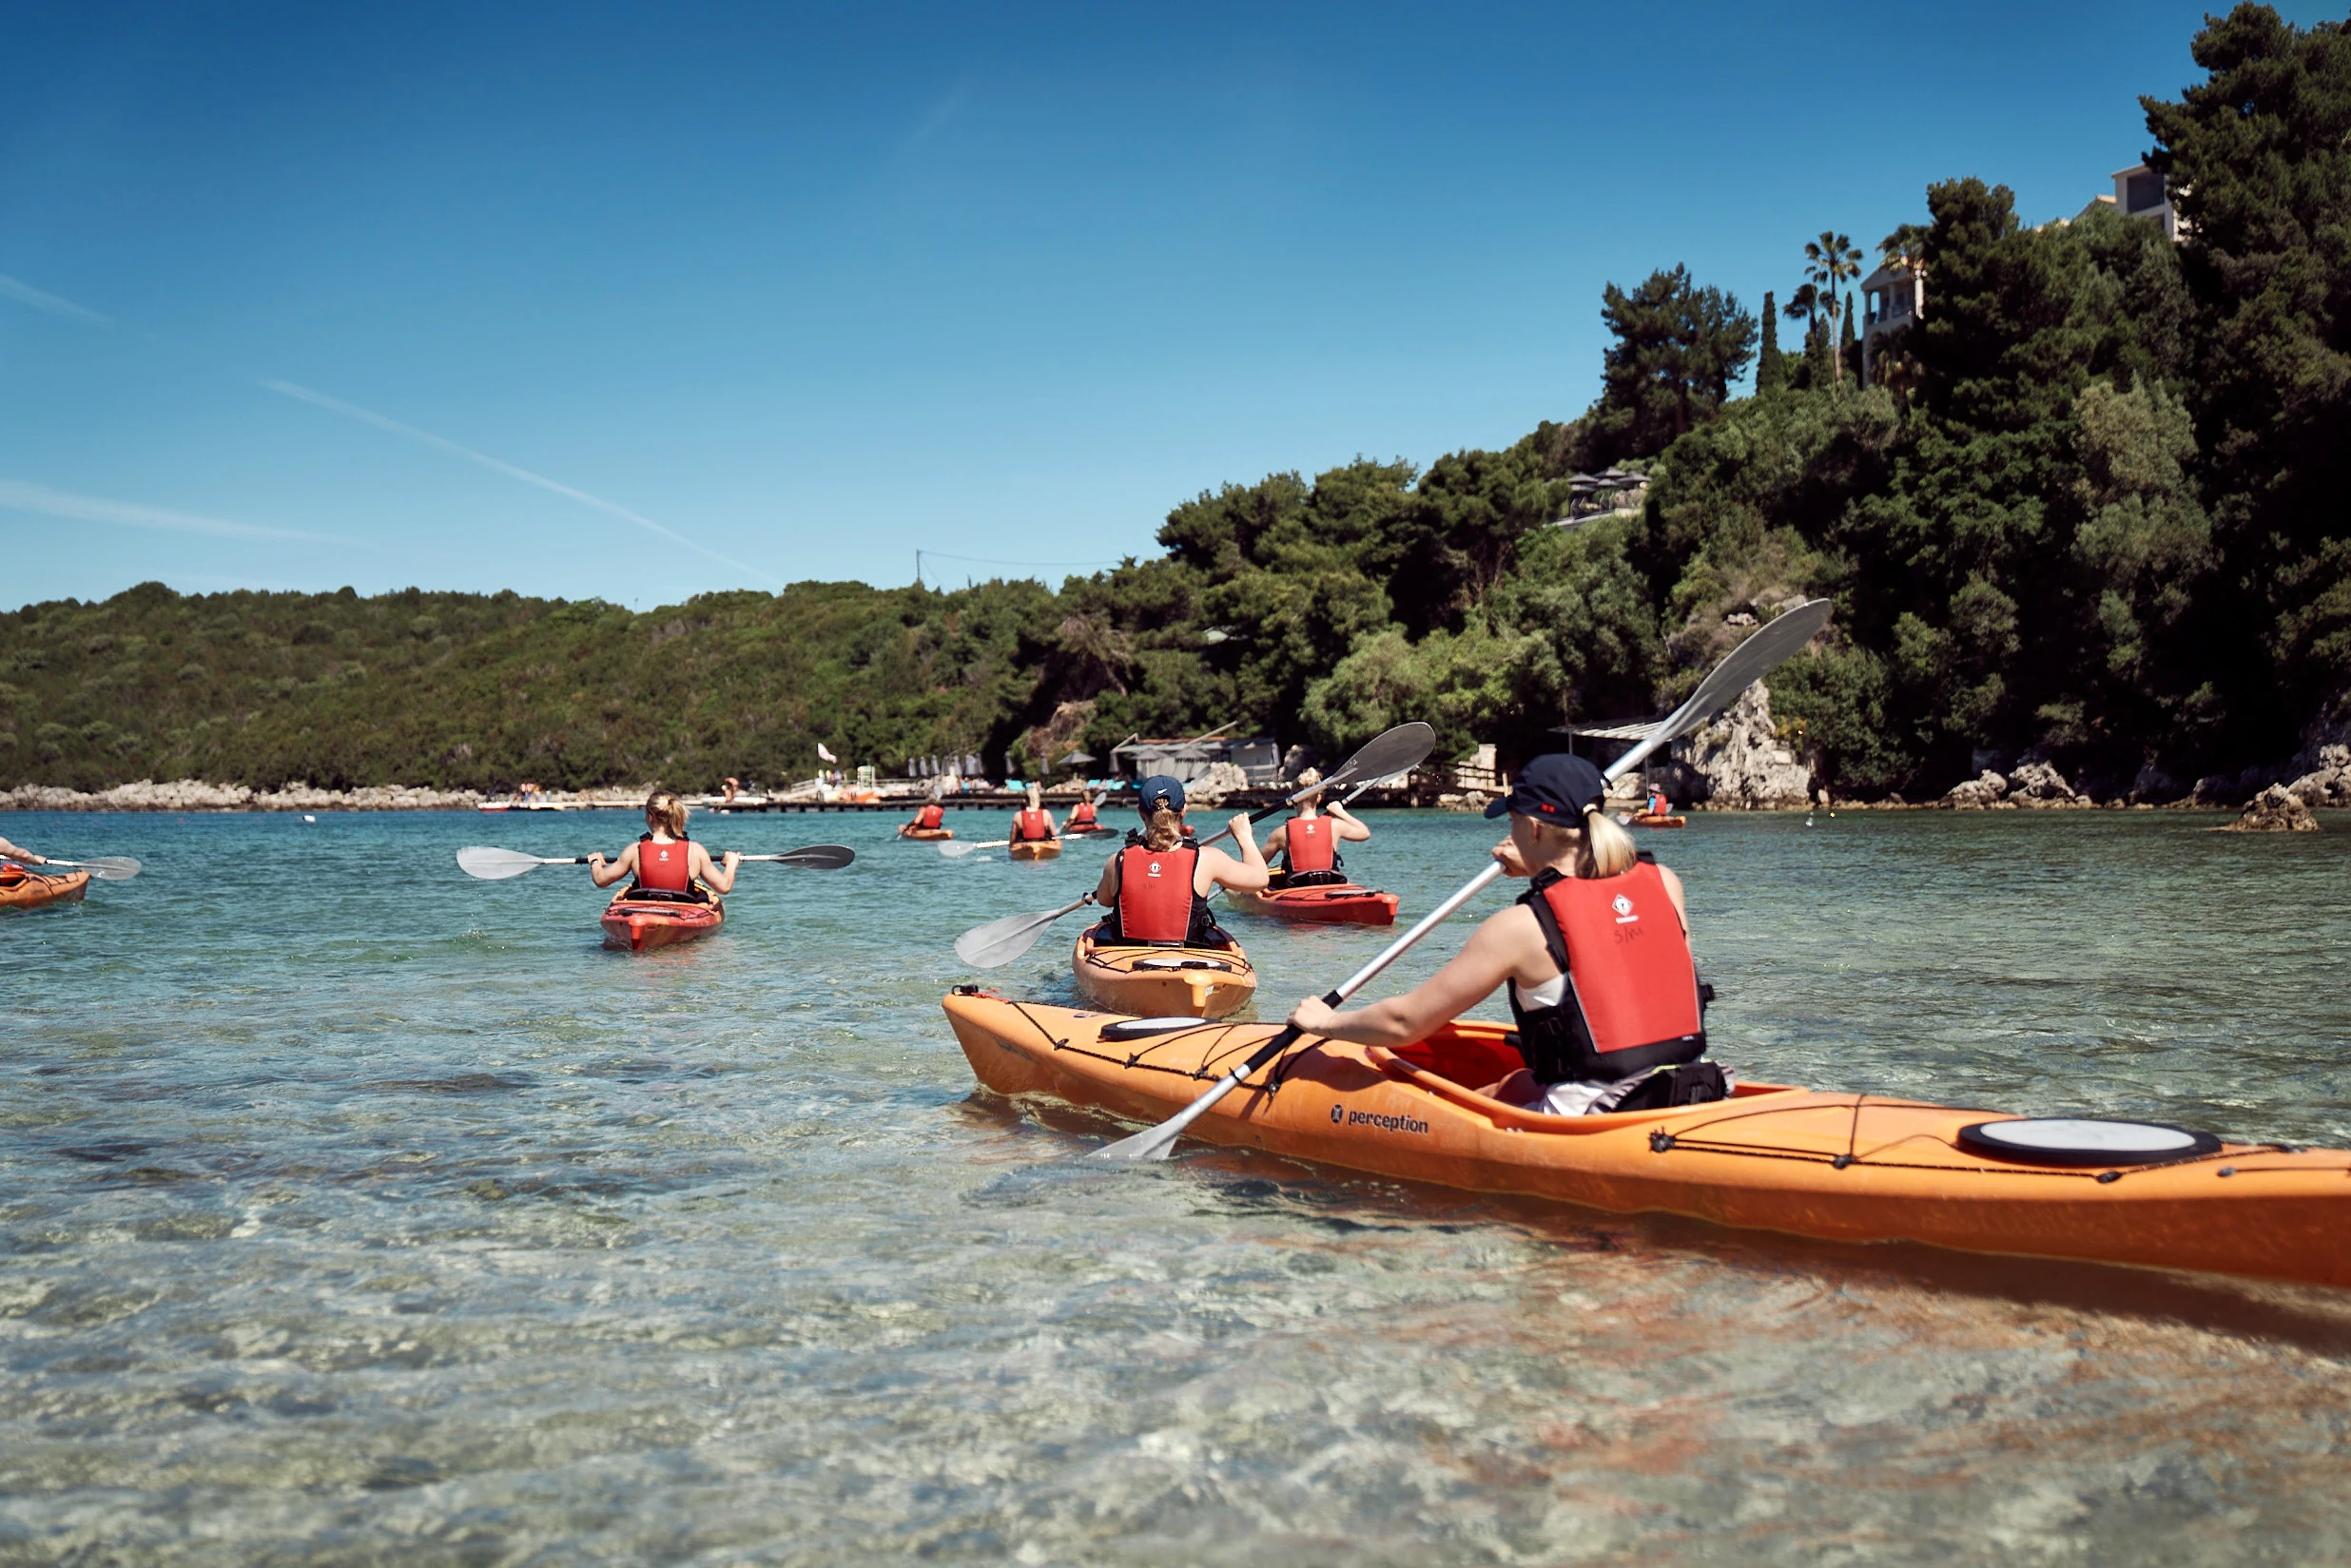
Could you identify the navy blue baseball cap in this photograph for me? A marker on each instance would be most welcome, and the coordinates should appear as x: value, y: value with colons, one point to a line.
x: 1158, y: 791
x: 1557, y: 789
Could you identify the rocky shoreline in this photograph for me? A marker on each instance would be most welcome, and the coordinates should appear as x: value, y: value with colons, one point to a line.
x: 194, y: 795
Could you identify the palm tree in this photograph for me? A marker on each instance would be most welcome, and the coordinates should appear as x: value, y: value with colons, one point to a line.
x: 1804, y: 305
x: 1829, y: 262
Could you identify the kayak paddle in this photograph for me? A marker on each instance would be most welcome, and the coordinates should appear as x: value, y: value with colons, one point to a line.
x: 1748, y: 662
x: 815, y: 857
x: 997, y: 943
x: 106, y: 868
x: 493, y: 866
x: 957, y: 851
x: 1392, y: 751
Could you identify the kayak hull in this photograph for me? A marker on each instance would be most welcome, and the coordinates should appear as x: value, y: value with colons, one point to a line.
x: 1083, y: 831
x: 1645, y: 818
x: 641, y: 924
x: 1036, y: 849
x: 926, y: 835
x: 1834, y: 1166
x: 1200, y: 982
x: 1337, y: 903
x: 40, y: 887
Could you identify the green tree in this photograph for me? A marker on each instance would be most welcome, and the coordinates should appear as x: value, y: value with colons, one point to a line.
x: 1769, y: 373
x: 1829, y: 262
x: 2257, y: 159
x: 1677, y: 348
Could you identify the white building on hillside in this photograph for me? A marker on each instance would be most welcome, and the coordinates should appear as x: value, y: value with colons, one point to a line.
x: 1892, y: 298
x: 2139, y: 192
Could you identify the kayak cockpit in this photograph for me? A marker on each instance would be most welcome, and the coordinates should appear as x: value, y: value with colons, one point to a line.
x: 1464, y: 1056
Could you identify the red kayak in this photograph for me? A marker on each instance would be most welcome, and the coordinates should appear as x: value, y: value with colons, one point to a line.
x: 639, y: 923
x: 1334, y: 903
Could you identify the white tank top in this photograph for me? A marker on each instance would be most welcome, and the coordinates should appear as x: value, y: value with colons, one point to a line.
x: 1535, y: 998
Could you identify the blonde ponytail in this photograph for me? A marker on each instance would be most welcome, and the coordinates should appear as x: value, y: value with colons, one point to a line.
x: 1608, y: 850
x: 663, y: 806
x: 1163, y: 830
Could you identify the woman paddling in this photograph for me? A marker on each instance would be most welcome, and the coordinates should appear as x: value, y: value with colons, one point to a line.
x: 929, y: 823
x: 1034, y: 824
x: 1081, y: 818
x: 22, y: 857
x: 1596, y: 956
x: 1157, y: 889
x: 1308, y: 842
x: 665, y: 861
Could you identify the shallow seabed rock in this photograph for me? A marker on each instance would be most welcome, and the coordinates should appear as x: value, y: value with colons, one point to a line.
x: 2274, y: 810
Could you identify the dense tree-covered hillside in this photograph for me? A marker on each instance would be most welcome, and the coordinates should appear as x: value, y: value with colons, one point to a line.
x: 2093, y: 505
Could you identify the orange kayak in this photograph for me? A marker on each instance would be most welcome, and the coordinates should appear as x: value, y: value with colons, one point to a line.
x: 1208, y: 982
x: 21, y: 888
x: 1650, y: 819
x: 639, y: 923
x: 1035, y: 849
x: 1838, y: 1167
x: 1334, y: 904
x: 925, y: 834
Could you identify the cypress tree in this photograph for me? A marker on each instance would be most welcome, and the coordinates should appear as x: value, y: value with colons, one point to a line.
x: 1769, y: 372
x: 1846, y: 350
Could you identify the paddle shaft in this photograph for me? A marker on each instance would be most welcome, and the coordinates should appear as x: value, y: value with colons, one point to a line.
x: 1144, y: 1145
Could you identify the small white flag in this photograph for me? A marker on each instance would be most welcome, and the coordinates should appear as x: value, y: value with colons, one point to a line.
x: 825, y: 754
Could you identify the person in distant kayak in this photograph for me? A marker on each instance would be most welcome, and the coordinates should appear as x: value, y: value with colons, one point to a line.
x: 664, y: 861
x: 22, y: 857
x: 1081, y: 816
x: 1596, y: 954
x: 1157, y: 889
x: 932, y: 816
x: 1659, y: 805
x: 1034, y: 824
x: 1308, y: 842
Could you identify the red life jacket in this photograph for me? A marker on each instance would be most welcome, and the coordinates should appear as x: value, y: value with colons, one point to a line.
x: 1155, y: 902
x: 930, y: 816
x: 1029, y: 824
x: 1632, y: 1000
x: 1308, y: 844
x: 1081, y: 815
x: 665, y: 867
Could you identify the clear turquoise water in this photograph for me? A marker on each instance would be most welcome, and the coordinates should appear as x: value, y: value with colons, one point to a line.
x: 352, y: 1211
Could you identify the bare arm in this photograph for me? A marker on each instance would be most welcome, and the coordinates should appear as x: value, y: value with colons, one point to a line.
x: 720, y: 874
x: 1276, y: 841
x: 605, y: 873
x: 1218, y: 869
x: 1673, y: 891
x: 25, y: 856
x: 1106, y: 891
x: 1350, y: 830
x: 1500, y: 949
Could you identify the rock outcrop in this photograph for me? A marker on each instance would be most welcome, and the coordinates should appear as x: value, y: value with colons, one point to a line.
x: 1980, y: 793
x: 2274, y: 810
x: 2329, y: 782
x: 1738, y: 762
x: 195, y: 795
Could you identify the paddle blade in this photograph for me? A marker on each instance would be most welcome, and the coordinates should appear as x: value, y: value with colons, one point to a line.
x: 957, y: 851
x: 819, y: 857
x: 112, y: 868
x: 1745, y: 665
x: 493, y: 866
x: 997, y: 943
x: 1398, y: 750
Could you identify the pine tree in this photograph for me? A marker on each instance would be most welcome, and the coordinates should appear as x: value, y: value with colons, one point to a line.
x: 1769, y: 372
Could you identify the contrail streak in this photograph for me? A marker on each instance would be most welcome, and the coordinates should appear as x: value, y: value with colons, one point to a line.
x: 15, y: 495
x: 352, y: 410
x: 17, y: 289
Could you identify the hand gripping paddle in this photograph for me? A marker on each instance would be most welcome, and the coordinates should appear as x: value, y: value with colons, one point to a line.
x: 1749, y: 662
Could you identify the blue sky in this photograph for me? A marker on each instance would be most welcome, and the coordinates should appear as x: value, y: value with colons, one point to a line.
x: 638, y: 302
